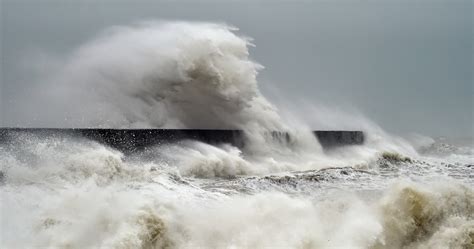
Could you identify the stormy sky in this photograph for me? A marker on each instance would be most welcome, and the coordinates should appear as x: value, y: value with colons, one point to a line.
x: 407, y: 65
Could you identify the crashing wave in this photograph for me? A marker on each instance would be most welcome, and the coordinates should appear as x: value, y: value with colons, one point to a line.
x: 162, y: 74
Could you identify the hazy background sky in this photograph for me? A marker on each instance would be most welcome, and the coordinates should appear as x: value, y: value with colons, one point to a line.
x: 407, y: 65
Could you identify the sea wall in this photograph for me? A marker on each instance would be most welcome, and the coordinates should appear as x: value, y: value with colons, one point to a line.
x: 129, y: 140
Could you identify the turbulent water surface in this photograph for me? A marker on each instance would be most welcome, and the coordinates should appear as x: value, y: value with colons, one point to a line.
x: 64, y: 192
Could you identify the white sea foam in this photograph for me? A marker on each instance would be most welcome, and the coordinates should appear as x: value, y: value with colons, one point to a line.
x: 77, y: 194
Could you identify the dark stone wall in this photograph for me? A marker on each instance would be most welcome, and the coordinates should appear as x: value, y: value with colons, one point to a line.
x: 130, y: 140
x: 330, y: 139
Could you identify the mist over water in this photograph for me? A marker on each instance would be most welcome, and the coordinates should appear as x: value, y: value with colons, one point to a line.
x: 65, y: 192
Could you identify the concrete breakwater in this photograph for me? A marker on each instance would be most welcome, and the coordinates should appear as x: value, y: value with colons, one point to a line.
x: 130, y: 140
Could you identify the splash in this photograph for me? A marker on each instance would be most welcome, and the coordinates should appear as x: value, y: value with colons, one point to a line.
x: 162, y: 74
x: 187, y: 75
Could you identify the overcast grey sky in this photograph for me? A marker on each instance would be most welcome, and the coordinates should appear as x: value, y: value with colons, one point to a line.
x: 407, y: 65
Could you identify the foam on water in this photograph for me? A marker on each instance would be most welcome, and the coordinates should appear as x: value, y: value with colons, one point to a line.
x: 80, y: 194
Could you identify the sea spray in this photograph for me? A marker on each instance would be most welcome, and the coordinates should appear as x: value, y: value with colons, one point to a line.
x: 161, y: 74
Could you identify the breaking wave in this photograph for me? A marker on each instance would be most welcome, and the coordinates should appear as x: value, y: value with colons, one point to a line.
x: 81, y: 194
x: 162, y: 74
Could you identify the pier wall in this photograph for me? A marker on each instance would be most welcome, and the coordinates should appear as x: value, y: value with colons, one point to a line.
x: 138, y: 139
